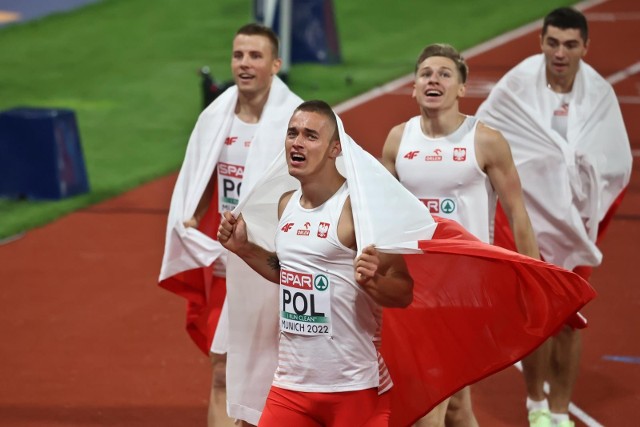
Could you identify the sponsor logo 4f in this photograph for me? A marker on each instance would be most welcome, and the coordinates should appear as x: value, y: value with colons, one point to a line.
x: 411, y: 154
x: 287, y: 227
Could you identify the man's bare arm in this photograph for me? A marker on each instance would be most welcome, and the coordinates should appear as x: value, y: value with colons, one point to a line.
x: 384, y: 277
x: 494, y: 152
x: 390, y: 148
x: 203, y: 205
x: 232, y: 234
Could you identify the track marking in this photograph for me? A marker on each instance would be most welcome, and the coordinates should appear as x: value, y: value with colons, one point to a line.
x: 612, y: 16
x: 623, y: 359
x: 476, y: 88
x: 573, y: 409
x: 629, y: 99
x: 469, y: 53
x: 624, y: 74
x: 11, y: 239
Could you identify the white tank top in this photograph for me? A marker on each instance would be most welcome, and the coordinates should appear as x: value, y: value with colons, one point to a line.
x: 231, y: 163
x: 560, y: 118
x: 444, y: 173
x: 328, y: 324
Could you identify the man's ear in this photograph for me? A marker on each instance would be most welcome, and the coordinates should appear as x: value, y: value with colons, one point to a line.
x: 336, y: 148
x: 275, y: 66
x: 462, y: 91
x: 586, y: 47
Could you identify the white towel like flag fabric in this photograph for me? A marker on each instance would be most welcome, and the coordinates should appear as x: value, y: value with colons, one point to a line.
x: 569, y: 184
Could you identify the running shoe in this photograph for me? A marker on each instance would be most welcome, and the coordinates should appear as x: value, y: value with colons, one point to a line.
x: 540, y: 418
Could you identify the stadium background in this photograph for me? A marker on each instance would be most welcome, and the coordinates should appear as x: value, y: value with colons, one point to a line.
x: 87, y: 337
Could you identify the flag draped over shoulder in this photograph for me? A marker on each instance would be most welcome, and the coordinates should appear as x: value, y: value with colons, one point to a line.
x: 477, y: 308
x: 570, y: 184
x: 189, y: 253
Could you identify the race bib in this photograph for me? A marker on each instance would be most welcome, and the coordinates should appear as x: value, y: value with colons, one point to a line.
x: 305, y: 303
x: 229, y: 183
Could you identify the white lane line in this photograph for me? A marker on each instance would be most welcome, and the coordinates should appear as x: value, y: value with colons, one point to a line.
x: 573, y: 409
x: 612, y: 16
x: 469, y: 53
x: 624, y: 74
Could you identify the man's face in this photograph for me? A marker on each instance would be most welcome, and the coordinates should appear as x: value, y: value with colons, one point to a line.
x: 437, y: 83
x: 253, y: 64
x: 309, y: 146
x: 563, y: 50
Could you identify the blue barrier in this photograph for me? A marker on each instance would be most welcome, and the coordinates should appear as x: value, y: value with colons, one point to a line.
x: 40, y: 154
x: 313, y: 34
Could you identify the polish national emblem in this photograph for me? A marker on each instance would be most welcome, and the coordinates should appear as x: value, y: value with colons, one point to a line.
x: 323, y: 230
x: 459, y: 154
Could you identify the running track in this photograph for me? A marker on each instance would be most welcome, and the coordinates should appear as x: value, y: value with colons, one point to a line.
x: 87, y: 339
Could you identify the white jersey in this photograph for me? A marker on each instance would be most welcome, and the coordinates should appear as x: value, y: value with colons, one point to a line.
x: 230, y: 170
x: 444, y: 173
x: 561, y: 103
x: 231, y: 162
x: 328, y: 324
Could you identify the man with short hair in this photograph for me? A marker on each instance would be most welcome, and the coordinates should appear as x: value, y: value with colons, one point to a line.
x: 457, y: 166
x: 329, y: 370
x: 233, y: 142
x: 564, y: 126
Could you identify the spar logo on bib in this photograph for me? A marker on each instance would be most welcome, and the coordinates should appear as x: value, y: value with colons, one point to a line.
x: 321, y: 282
x: 448, y: 206
x: 440, y: 205
x: 294, y: 279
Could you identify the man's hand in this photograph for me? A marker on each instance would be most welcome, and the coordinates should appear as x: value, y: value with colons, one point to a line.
x: 366, y: 265
x: 232, y: 233
x: 192, y: 222
x: 384, y: 277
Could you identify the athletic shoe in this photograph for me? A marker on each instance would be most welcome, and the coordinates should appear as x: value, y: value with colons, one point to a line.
x: 566, y: 423
x: 540, y: 418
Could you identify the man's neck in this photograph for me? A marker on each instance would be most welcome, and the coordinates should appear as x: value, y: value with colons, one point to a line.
x: 438, y: 124
x: 560, y: 84
x: 249, y: 107
x: 315, y: 192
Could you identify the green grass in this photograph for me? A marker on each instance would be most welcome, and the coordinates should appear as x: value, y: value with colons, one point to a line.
x: 129, y: 70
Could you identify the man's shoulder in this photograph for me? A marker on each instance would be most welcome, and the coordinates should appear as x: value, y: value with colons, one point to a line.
x: 594, y: 78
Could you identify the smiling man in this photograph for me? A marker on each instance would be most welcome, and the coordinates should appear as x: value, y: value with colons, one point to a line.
x: 457, y: 166
x: 569, y: 143
x: 233, y: 142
